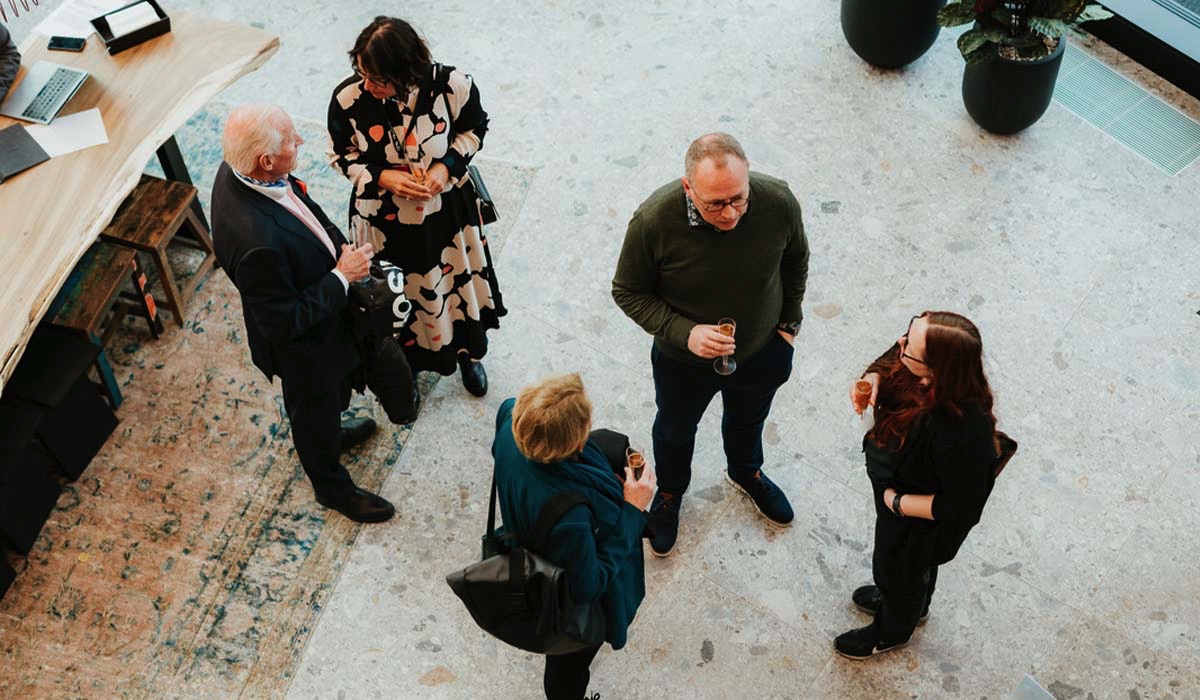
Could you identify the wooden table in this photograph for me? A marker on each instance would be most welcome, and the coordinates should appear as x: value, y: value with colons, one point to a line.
x: 50, y: 214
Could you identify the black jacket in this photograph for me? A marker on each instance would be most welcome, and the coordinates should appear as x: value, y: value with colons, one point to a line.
x: 952, y: 457
x: 298, y: 324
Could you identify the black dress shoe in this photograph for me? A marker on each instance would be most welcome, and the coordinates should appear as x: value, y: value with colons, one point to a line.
x: 356, y: 431
x: 473, y: 376
x: 360, y: 506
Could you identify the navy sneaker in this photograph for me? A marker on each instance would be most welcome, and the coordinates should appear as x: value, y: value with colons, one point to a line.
x: 868, y: 599
x: 768, y: 498
x: 664, y: 523
x: 863, y: 643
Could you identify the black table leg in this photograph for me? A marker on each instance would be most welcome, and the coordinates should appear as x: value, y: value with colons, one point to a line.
x: 175, y: 169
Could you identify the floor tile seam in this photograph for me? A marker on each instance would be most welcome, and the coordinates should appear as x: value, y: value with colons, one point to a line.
x: 579, y: 339
x: 317, y: 616
x: 812, y: 687
x: 514, y: 232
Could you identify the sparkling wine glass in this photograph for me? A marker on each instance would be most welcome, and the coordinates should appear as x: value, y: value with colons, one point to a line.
x: 636, y: 462
x: 724, y: 365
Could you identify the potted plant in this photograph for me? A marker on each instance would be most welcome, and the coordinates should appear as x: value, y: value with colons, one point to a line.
x: 890, y: 33
x: 1013, y: 54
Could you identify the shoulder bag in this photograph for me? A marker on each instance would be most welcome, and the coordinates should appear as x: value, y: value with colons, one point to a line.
x: 521, y: 598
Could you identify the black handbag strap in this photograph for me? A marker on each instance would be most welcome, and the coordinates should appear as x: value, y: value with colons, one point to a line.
x: 552, y: 511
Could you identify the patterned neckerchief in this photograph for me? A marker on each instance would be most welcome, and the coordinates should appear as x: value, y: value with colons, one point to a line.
x: 281, y: 182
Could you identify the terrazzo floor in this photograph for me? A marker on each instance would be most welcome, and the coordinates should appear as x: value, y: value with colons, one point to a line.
x: 1076, y: 258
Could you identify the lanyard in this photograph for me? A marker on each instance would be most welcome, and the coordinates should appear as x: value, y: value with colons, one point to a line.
x: 401, y: 145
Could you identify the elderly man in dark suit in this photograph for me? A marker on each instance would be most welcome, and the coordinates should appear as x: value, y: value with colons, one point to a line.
x: 293, y: 268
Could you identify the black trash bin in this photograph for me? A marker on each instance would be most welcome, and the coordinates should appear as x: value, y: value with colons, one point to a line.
x: 51, y: 378
x: 28, y: 492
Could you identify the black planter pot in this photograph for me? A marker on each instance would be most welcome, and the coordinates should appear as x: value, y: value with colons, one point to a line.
x: 1006, y: 96
x: 890, y: 33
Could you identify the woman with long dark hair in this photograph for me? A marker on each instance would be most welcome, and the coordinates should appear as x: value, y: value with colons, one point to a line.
x: 931, y: 457
x: 403, y: 130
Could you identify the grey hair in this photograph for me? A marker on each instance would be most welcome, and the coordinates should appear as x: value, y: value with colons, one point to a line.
x: 252, y: 130
x: 718, y: 146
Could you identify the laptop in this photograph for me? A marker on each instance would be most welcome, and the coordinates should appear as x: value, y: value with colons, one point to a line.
x: 43, y: 91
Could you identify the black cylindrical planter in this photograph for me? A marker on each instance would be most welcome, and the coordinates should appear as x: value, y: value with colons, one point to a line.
x: 890, y: 33
x: 1006, y: 96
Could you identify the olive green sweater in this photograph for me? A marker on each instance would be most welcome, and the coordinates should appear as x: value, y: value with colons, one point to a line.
x: 672, y: 275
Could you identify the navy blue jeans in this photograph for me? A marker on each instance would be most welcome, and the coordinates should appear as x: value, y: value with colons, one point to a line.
x: 683, y: 391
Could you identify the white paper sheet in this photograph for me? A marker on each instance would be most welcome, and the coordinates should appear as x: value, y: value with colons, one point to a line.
x: 74, y: 17
x: 71, y: 133
x: 131, y: 19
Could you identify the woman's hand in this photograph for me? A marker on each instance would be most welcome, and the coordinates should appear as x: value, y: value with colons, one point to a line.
x: 639, y: 493
x: 871, y: 377
x: 437, y: 179
x: 403, y: 184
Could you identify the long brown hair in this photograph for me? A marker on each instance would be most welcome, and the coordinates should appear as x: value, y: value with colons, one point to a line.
x: 954, y: 356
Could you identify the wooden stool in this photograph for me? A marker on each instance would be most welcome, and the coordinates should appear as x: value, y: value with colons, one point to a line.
x: 148, y: 220
x: 109, y: 278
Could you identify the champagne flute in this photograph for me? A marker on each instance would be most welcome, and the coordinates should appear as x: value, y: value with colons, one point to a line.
x: 725, y: 365
x: 862, y: 395
x: 636, y: 462
x: 862, y: 404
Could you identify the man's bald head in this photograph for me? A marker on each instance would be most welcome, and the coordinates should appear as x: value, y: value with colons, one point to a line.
x: 253, y: 131
x: 717, y: 146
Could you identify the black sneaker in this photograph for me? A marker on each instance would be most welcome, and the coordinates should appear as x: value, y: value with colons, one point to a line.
x: 768, y: 498
x: 664, y: 523
x: 868, y: 599
x: 863, y: 643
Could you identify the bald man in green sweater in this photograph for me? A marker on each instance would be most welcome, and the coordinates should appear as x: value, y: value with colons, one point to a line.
x: 721, y: 243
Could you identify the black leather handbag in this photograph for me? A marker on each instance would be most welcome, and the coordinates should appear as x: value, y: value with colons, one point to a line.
x: 483, y: 198
x: 522, y: 599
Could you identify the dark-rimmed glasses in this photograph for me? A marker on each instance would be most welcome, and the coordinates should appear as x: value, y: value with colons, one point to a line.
x: 738, y: 203
x: 374, y: 79
x: 904, y: 351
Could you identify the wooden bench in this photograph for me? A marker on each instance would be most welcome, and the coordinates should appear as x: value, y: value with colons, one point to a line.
x: 107, y: 284
x: 149, y: 219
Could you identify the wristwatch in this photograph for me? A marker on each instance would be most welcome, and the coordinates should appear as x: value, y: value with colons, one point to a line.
x: 791, y: 328
x: 896, y: 505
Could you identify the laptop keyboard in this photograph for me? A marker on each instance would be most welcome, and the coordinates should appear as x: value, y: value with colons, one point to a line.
x: 50, y: 96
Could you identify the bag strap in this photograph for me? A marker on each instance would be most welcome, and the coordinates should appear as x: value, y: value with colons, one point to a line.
x: 552, y: 511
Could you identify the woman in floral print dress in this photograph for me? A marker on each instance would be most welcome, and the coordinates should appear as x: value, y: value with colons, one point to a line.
x: 403, y: 130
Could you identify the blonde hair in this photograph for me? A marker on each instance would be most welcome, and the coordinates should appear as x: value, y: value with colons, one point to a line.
x: 552, y: 418
x: 252, y: 130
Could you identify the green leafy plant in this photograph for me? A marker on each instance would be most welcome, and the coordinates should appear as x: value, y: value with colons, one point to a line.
x: 1023, y: 30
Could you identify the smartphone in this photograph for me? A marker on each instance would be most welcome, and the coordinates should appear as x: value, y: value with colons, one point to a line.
x: 66, y: 43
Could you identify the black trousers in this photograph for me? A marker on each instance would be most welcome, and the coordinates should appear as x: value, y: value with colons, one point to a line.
x: 315, y: 414
x: 903, y: 568
x: 567, y: 675
x: 683, y: 391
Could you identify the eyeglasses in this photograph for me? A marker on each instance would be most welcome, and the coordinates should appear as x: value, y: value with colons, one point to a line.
x: 738, y: 203
x: 903, y: 351
x: 371, y: 78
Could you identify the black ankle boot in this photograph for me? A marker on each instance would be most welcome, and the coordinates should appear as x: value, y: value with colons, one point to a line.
x: 473, y: 376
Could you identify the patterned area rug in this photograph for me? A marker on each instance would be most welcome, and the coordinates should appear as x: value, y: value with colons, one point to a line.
x: 190, y: 559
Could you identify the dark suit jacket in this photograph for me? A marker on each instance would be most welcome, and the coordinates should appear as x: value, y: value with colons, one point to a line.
x: 298, y: 323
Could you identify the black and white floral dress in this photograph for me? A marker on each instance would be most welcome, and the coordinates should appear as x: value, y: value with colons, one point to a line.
x: 448, y: 269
